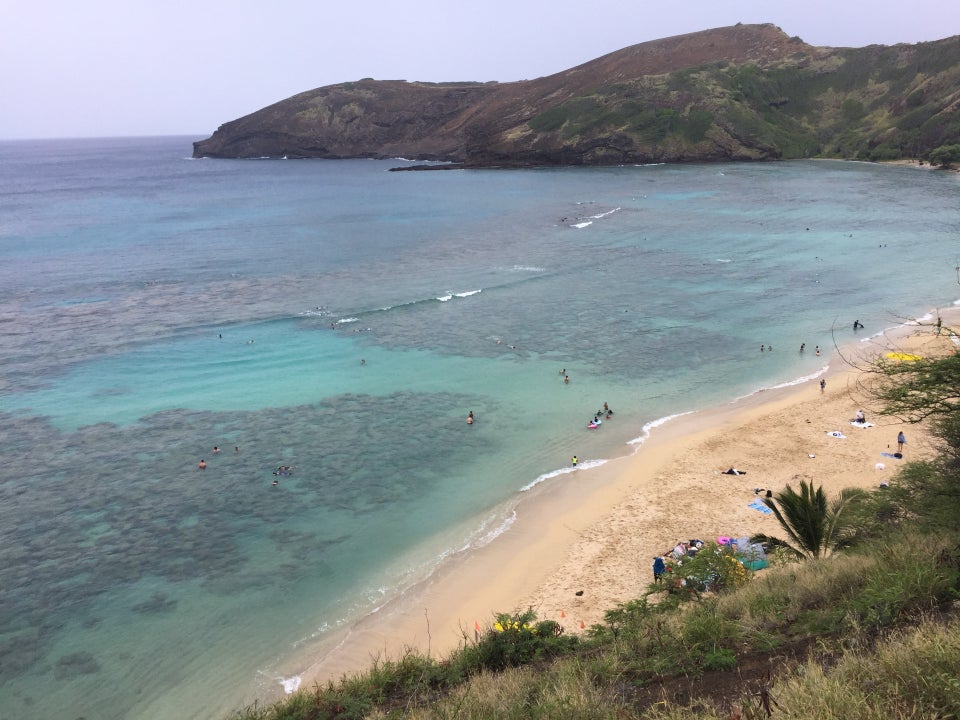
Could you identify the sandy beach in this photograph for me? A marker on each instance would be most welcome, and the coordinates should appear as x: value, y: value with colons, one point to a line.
x: 585, y: 542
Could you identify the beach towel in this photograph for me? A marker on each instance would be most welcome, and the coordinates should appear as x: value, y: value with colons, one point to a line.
x: 898, y: 456
x: 837, y: 434
x: 861, y: 425
x: 759, y: 505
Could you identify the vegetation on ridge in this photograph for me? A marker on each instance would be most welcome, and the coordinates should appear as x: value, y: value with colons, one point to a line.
x: 869, y: 633
x: 747, y: 92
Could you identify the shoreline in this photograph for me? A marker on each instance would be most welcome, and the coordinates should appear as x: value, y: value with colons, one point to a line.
x: 584, y: 542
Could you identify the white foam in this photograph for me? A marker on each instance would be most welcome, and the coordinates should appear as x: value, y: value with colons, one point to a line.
x: 639, y: 440
x: 291, y: 684
x: 789, y: 383
x: 602, y: 215
x: 342, y: 321
x: 451, y: 295
x: 496, y: 531
x: 582, y: 224
x: 533, y: 269
x: 562, y: 471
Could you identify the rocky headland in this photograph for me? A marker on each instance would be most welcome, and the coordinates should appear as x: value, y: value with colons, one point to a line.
x: 747, y: 92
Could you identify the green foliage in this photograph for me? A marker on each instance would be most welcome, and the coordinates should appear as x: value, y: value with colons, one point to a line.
x: 945, y: 155
x: 919, y: 388
x: 696, y: 125
x: 515, y: 640
x: 814, y: 527
x: 712, y: 568
x: 852, y: 110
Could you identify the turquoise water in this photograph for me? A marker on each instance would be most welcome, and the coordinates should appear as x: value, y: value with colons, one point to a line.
x: 342, y: 319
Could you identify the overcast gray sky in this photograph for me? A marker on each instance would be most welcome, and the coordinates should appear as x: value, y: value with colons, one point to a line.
x: 83, y: 68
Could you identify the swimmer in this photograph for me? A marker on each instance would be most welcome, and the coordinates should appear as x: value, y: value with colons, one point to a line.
x: 276, y: 482
x: 216, y: 449
x: 566, y: 379
x: 470, y: 418
x: 202, y: 465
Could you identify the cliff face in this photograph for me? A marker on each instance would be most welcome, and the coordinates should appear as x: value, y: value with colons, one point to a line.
x: 747, y: 92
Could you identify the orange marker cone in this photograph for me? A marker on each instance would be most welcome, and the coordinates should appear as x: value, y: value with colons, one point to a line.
x: 562, y: 614
x: 582, y: 626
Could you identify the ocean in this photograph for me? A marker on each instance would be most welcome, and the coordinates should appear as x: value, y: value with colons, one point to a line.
x: 342, y: 320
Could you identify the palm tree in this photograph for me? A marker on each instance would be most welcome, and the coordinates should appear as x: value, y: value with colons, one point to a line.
x: 814, y: 526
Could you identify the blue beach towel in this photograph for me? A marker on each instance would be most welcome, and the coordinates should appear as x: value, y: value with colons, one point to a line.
x: 759, y: 505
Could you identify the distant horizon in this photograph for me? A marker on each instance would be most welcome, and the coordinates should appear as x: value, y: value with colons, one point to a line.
x: 109, y: 69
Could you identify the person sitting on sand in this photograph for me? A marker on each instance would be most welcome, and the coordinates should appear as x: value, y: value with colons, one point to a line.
x: 859, y: 417
x: 734, y: 471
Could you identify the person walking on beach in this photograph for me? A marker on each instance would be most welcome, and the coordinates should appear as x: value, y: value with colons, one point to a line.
x: 901, y: 441
x: 823, y: 384
x: 659, y: 568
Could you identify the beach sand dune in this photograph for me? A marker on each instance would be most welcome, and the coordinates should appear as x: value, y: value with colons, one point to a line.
x: 586, y: 543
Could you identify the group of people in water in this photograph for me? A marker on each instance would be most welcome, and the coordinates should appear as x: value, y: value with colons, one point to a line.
x: 282, y: 470
x: 605, y: 413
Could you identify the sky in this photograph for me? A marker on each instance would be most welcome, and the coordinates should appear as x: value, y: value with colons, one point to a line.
x: 101, y: 68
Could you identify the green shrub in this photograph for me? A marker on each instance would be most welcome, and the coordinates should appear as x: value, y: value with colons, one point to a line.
x: 514, y: 640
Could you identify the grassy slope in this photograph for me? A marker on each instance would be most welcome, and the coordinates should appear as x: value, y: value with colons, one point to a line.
x: 872, y: 632
x: 875, y: 103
